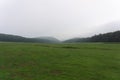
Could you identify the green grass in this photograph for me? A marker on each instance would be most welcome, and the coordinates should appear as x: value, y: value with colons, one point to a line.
x: 88, y: 61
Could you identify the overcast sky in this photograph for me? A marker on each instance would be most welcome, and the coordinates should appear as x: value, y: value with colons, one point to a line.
x: 59, y: 18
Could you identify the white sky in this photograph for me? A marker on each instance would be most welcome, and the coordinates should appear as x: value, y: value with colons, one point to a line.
x: 59, y: 18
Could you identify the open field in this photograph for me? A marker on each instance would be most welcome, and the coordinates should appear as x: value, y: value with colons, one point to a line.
x: 86, y: 61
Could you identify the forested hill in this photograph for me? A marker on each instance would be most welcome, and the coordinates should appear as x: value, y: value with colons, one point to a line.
x: 15, y: 38
x: 106, y: 37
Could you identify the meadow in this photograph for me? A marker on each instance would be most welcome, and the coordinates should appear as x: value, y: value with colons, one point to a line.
x: 83, y: 61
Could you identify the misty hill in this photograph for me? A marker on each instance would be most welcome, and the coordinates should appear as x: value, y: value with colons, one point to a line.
x: 12, y: 38
x: 15, y: 38
x: 106, y: 37
x: 46, y: 39
x: 76, y: 40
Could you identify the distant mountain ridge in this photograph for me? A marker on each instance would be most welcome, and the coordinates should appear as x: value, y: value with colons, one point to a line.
x: 15, y: 38
x: 106, y: 37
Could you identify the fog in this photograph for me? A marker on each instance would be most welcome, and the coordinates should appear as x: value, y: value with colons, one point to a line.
x: 59, y: 18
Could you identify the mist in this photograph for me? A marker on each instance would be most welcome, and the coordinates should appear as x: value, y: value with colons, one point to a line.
x: 59, y: 18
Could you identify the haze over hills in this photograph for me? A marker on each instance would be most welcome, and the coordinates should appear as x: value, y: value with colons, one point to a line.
x: 102, y: 29
x: 108, y: 27
x: 104, y: 34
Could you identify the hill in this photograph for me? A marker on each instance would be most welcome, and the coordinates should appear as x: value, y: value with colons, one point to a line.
x: 48, y: 39
x: 76, y: 40
x: 106, y: 37
x: 15, y: 38
x: 12, y: 38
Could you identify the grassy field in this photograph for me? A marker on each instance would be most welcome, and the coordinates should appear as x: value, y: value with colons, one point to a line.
x: 86, y: 61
